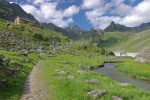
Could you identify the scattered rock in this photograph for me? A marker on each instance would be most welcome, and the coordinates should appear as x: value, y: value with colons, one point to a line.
x: 124, y: 84
x: 1, y: 57
x: 8, y: 71
x: 92, y: 81
x: 81, y: 71
x: 70, y: 77
x: 3, y: 83
x: 8, y: 24
x: 61, y: 72
x: 28, y: 60
x: 39, y: 50
x: 143, y: 57
x: 116, y: 98
x: 43, y: 55
x: 24, y: 52
x: 6, y: 61
x: 95, y: 94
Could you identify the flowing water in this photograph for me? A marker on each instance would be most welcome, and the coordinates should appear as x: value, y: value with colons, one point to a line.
x: 110, y: 70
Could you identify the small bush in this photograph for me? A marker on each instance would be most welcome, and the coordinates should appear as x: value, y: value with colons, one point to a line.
x: 38, y: 36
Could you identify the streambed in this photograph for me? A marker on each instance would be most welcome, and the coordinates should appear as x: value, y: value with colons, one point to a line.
x: 111, y: 71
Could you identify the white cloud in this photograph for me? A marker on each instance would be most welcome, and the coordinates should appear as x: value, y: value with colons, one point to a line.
x: 138, y: 15
x: 46, y: 11
x: 101, y: 21
x: 122, y: 9
x: 71, y: 11
x: 116, y: 2
x: 91, y: 4
x: 126, y: 15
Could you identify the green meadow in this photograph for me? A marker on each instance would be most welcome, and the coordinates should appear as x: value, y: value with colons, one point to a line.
x: 73, y: 85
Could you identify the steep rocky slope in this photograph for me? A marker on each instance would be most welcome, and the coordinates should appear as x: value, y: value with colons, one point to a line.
x: 9, y: 11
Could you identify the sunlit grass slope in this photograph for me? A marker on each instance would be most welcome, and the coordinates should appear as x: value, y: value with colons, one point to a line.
x: 127, y: 41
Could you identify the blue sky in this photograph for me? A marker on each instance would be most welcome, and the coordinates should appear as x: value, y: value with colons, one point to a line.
x: 88, y: 14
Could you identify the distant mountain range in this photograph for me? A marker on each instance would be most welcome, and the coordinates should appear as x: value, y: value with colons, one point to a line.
x: 9, y: 11
x: 73, y: 32
x: 117, y: 27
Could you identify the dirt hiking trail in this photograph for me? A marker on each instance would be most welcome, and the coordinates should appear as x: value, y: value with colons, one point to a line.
x: 35, y: 87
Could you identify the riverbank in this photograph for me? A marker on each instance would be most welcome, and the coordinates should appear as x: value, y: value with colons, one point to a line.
x: 111, y: 71
x: 135, y: 69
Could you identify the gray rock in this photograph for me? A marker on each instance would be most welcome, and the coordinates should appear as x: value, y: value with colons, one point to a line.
x: 81, y: 71
x: 6, y: 61
x: 43, y: 55
x: 28, y: 60
x: 24, y: 52
x: 116, y: 98
x: 92, y: 81
x: 61, y: 72
x: 70, y: 77
x: 1, y: 57
x: 3, y: 83
x: 143, y: 57
x: 95, y: 94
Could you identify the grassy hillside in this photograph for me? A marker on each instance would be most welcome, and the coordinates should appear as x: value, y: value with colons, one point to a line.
x: 127, y: 41
x: 9, y: 11
x: 17, y: 37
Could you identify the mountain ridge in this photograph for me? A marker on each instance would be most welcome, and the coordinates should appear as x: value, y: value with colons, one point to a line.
x: 112, y: 27
x: 9, y: 11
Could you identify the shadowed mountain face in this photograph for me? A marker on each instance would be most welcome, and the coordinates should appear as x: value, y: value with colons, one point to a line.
x: 116, y: 27
x: 73, y: 32
x: 9, y: 11
x: 142, y: 27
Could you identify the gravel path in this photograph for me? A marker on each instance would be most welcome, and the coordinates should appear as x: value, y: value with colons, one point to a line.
x: 35, y: 87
